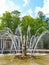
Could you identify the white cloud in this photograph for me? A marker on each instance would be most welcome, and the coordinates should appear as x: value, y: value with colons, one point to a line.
x: 12, y: 6
x: 44, y: 9
x: 7, y: 5
x: 2, y: 6
x: 30, y: 12
x: 22, y: 14
x: 26, y: 2
x: 37, y: 9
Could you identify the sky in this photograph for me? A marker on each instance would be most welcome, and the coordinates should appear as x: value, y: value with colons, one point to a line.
x: 26, y: 7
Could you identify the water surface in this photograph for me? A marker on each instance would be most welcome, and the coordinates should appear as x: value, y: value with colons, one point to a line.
x: 38, y: 60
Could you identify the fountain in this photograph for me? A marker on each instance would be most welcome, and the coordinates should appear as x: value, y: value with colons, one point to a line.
x: 19, y: 44
x: 43, y: 33
x: 18, y: 33
x: 18, y: 49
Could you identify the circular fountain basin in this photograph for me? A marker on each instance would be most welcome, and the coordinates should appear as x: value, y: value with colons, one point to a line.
x: 40, y: 59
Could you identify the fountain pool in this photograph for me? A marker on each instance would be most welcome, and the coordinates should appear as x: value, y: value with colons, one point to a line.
x: 40, y: 59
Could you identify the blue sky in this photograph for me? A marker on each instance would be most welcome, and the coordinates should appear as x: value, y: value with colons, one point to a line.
x: 26, y: 7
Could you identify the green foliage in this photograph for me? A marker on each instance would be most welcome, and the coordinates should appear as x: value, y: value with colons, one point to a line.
x: 6, y: 20
x: 12, y: 20
x: 16, y: 21
x: 15, y: 13
x: 41, y: 15
x: 26, y: 20
x: 34, y: 23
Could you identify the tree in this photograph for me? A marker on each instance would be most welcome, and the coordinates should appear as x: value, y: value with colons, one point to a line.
x: 10, y: 20
x: 15, y: 13
x: 41, y: 15
x: 26, y: 20
x: 6, y: 19
x: 34, y: 24
x: 47, y: 20
x: 16, y: 19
